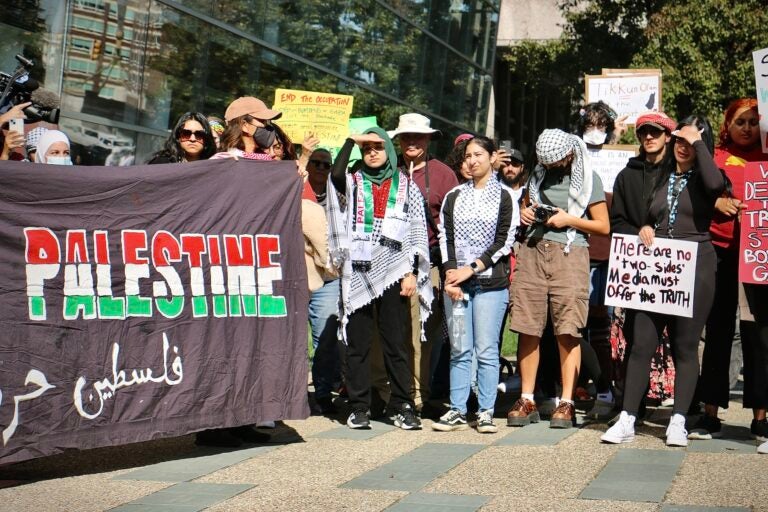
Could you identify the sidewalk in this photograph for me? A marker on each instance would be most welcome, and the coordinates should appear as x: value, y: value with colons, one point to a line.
x: 320, y: 465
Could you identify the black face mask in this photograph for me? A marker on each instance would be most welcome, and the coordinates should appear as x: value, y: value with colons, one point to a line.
x: 265, y: 137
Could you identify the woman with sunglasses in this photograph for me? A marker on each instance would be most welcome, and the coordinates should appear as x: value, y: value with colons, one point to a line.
x: 378, y: 243
x: 682, y: 206
x: 190, y: 140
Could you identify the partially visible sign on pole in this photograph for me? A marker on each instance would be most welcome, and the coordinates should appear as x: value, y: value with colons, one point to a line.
x: 325, y: 114
x: 760, y: 59
x: 753, y: 267
x: 659, y: 278
x: 628, y: 94
x: 609, y: 160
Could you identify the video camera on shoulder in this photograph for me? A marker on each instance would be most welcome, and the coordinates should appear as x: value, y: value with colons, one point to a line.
x: 543, y: 212
x: 19, y: 88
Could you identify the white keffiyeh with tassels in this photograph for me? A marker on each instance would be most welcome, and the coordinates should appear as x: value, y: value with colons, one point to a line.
x: 552, y: 146
x: 388, y: 262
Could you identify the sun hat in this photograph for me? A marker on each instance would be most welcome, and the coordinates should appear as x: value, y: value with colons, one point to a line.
x: 413, y: 123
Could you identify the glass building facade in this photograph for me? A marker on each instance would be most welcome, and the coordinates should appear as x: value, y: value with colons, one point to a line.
x: 126, y: 69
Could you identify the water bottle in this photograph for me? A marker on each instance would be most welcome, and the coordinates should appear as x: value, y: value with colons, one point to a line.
x: 458, y: 310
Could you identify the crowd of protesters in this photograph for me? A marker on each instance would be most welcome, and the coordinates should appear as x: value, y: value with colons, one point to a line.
x: 416, y: 266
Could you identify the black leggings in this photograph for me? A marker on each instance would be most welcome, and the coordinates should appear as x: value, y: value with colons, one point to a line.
x: 714, y: 382
x: 754, y: 340
x: 684, y: 334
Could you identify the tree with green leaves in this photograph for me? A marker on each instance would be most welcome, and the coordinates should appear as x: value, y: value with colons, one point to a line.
x: 703, y: 48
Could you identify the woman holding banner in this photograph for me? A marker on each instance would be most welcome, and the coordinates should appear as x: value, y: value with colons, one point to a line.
x: 682, y: 206
x: 377, y: 240
x: 739, y: 144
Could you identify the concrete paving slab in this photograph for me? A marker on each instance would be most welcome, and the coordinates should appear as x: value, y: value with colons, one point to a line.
x: 190, y: 468
x: 344, y: 432
x: 635, y: 475
x: 435, y: 459
x: 535, y: 434
x: 694, y: 508
x: 201, y: 495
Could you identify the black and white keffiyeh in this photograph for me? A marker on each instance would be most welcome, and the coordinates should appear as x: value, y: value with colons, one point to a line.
x: 552, y: 146
x: 475, y: 218
x: 389, y: 262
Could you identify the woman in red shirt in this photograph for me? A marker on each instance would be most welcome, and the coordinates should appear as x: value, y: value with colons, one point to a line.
x: 739, y: 143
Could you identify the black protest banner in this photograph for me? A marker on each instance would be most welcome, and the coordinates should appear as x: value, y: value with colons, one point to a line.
x: 148, y: 301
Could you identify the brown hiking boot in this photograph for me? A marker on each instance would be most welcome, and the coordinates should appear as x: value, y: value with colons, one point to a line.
x: 564, y: 416
x: 523, y: 413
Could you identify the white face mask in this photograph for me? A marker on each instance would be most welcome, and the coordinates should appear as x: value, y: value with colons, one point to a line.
x: 58, y: 160
x: 594, y: 137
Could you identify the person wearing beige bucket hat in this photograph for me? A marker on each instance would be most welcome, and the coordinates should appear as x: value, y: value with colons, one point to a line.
x: 414, y: 132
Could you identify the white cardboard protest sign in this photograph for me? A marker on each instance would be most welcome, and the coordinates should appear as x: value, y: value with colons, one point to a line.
x: 760, y: 60
x: 609, y: 160
x: 659, y: 278
x: 630, y: 94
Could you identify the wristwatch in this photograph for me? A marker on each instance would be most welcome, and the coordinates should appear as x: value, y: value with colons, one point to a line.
x: 474, y: 267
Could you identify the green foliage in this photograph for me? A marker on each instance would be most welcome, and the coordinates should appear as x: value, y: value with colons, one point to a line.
x: 703, y: 48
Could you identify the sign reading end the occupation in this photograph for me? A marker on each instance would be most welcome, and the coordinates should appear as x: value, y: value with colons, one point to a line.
x: 659, y: 278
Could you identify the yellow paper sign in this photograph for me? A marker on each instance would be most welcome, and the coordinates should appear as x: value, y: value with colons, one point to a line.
x: 327, y: 115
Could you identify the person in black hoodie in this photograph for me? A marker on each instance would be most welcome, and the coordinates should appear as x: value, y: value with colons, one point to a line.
x: 630, y: 209
x: 631, y: 196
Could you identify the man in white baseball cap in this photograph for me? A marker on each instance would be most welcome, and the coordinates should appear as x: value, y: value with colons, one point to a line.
x: 434, y: 179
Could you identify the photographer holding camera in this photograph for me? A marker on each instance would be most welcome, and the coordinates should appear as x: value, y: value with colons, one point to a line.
x: 565, y: 203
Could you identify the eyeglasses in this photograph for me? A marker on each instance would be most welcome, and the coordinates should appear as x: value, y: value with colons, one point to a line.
x: 321, y: 164
x: 377, y: 147
x: 185, y: 135
x: 647, y: 130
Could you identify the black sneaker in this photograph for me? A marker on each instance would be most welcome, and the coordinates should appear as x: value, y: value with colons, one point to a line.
x: 706, y: 428
x: 247, y: 434
x: 324, y: 405
x: 450, y: 421
x: 406, y: 418
x: 219, y: 437
x: 359, y: 419
x: 759, y: 429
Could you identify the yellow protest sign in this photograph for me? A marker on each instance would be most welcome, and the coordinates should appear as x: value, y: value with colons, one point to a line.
x: 325, y: 114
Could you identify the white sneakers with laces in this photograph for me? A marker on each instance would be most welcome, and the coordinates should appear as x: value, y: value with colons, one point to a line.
x: 676, y: 433
x: 623, y: 431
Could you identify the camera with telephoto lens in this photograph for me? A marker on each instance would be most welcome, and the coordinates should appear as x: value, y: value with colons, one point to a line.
x: 543, y: 212
x: 19, y: 88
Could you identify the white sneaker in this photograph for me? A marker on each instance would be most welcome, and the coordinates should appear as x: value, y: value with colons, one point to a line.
x: 763, y: 448
x: 623, y: 431
x: 266, y: 424
x: 676, y: 433
x: 485, y: 423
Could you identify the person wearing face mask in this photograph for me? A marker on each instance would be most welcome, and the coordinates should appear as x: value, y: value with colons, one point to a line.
x: 249, y: 130
x: 564, y: 203
x: 739, y: 143
x: 53, y: 148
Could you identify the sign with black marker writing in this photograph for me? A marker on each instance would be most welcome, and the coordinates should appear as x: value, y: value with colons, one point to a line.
x: 753, y: 267
x: 659, y: 278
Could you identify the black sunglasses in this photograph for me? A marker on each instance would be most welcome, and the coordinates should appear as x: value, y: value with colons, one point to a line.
x: 185, y: 134
x: 321, y: 164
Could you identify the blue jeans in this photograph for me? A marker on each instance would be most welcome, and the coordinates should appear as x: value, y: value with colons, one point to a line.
x: 482, y: 321
x: 324, y: 324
